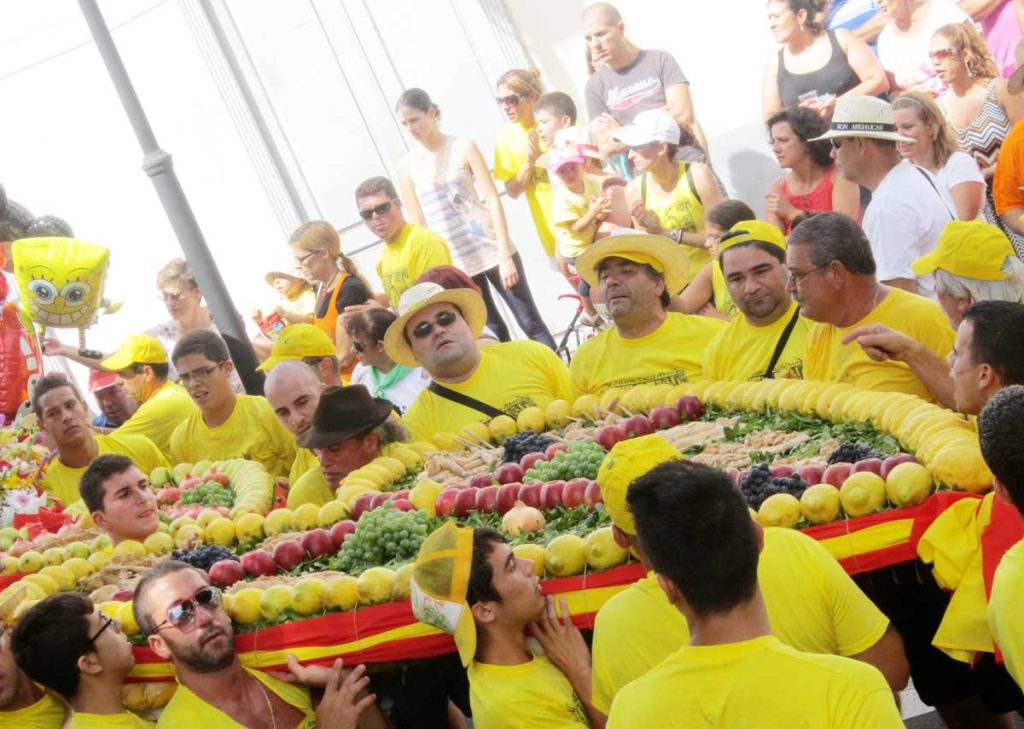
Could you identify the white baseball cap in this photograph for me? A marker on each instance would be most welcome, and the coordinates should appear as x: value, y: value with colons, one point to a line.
x: 863, y: 116
x: 653, y: 125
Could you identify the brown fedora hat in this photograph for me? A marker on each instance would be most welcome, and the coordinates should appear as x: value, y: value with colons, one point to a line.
x: 343, y: 413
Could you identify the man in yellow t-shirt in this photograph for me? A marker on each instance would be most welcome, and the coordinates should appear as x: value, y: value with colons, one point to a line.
x: 832, y: 277
x: 437, y: 329
x: 22, y: 702
x: 728, y: 673
x: 141, y: 362
x: 118, y: 496
x: 226, y: 425
x: 293, y: 391
x: 469, y: 583
x: 516, y: 151
x: 769, y: 340
x: 636, y: 275
x: 309, y: 344
x: 65, y: 643
x: 409, y: 249
x: 64, y: 418
x: 812, y: 603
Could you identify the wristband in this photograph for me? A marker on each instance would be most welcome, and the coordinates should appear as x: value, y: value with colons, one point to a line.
x: 676, y: 235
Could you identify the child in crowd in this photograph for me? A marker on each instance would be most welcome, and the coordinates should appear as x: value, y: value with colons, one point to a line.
x: 295, y: 304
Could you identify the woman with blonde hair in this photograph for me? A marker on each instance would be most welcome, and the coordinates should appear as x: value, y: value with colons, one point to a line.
x: 316, y: 248
x: 935, y: 148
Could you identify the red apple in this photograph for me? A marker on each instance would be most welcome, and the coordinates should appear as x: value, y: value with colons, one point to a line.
x: 446, y: 501
x: 892, y: 461
x: 226, y: 572
x: 480, y: 480
x: 836, y: 474
x: 289, y: 554
x: 403, y: 494
x: 190, y: 482
x: 403, y: 504
x: 609, y: 435
x: 690, y: 407
x: 361, y: 503
x: 317, y: 543
x: 782, y: 470
x: 465, y: 502
x: 507, y: 496
x: 487, y: 498
x: 530, y: 460
x: 509, y: 473
x: 168, y: 495
x: 551, y: 494
x: 123, y: 595
x: 340, y: 531
x: 259, y: 563
x: 664, y: 417
x: 572, y: 495
x: 529, y: 494
x: 379, y: 500
x: 637, y: 425
x: 552, y: 449
x: 874, y: 465
x: 592, y: 495
x: 811, y: 474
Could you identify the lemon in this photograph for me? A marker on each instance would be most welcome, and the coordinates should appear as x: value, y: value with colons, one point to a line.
x: 779, y: 387
x: 810, y: 400
x: 422, y: 448
x: 424, y: 496
x: 189, y: 536
x: 556, y: 414
x: 500, y: 428
x: 10, y: 565
x: 308, y: 596
x: 55, y: 555
x: 277, y: 521
x: 347, y: 494
x: 99, y: 560
x: 780, y: 510
x: 862, y: 493
x: 375, y: 585
x: 403, y: 575
x: 33, y: 591
x: 476, y: 432
x: 23, y: 607
x: 602, y: 550
x: 635, y: 397
x: 304, y: 517
x: 126, y: 617
x: 675, y: 392
x: 158, y: 543
x: 837, y: 410
x: 249, y: 527
x: 130, y: 548
x: 110, y: 608
x: 206, y: 517
x: 31, y: 561
x: 533, y: 552
x: 331, y: 513
x: 565, y: 555
x: 395, y: 467
x: 655, y: 396
x: 908, y: 484
x: 77, y: 549
x: 611, y: 400
x: 64, y: 577
x: 531, y: 418
x: 44, y: 582
x: 823, y: 405
x: 180, y: 522
x: 792, y: 397
x: 342, y: 593
x: 717, y: 392
x: 587, y: 406
x: 220, y: 531
x: 245, y: 605
x: 961, y: 467
x: 79, y: 567
x: 274, y: 601
x: 411, y: 459
x: 447, y: 442
x: 820, y: 503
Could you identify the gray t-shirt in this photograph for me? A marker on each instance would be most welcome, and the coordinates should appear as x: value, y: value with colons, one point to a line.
x: 637, y: 87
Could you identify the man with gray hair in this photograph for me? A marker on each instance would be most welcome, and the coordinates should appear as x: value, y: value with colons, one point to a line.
x: 973, y: 261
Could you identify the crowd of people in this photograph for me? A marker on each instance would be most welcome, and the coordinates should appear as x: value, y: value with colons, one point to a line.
x: 888, y: 257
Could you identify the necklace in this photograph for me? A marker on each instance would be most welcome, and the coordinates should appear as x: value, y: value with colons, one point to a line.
x: 270, y: 707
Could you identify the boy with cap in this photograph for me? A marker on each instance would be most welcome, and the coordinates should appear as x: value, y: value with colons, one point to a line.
x: 309, y: 344
x: 470, y: 584
x: 769, y: 339
x: 141, y: 364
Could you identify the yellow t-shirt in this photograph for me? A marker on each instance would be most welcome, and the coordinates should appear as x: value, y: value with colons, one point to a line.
x: 1005, y: 617
x: 305, y: 459
x: 185, y: 710
x: 830, y: 360
x: 61, y: 482
x: 509, y: 158
x: 742, y: 351
x: 124, y: 720
x: 567, y: 208
x: 47, y: 713
x: 813, y: 606
x: 681, y: 209
x: 252, y: 431
x: 160, y: 415
x: 760, y: 683
x: 533, y: 695
x: 672, y: 353
x: 402, y: 262
x: 511, y: 376
x: 311, y: 488
x: 720, y: 291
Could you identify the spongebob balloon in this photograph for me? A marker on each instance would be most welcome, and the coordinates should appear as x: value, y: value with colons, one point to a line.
x: 61, y: 282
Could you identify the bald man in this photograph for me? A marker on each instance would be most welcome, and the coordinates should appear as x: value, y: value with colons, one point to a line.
x: 293, y: 390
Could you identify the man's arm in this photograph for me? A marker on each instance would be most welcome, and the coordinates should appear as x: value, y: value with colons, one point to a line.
x: 888, y: 656
x: 881, y: 343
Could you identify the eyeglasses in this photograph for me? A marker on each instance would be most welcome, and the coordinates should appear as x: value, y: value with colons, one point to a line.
x: 795, y: 278
x: 199, y: 373
x: 943, y: 54
x: 299, y: 260
x: 107, y: 622
x: 380, y: 210
x: 172, y: 295
x: 511, y: 99
x: 183, y: 614
x: 424, y: 328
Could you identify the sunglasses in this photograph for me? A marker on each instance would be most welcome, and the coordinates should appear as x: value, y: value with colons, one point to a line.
x: 943, y: 54
x: 381, y: 209
x: 837, y: 143
x: 511, y: 99
x: 424, y: 328
x: 183, y: 614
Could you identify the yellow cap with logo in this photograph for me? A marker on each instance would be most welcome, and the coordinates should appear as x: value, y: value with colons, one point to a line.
x: 627, y: 461
x: 136, y: 348
x: 968, y: 248
x: 298, y: 341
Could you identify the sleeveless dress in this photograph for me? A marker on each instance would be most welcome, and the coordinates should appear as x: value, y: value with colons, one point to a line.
x: 835, y: 77
x: 680, y: 209
x: 818, y: 200
x: 453, y: 208
x: 982, y: 140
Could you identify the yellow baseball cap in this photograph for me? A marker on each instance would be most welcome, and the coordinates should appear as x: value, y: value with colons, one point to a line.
x: 136, y: 348
x: 298, y: 341
x: 627, y: 461
x: 662, y: 254
x: 752, y: 231
x: 971, y: 249
x: 440, y: 581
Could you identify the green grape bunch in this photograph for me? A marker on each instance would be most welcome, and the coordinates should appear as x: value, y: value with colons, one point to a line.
x: 209, y: 493
x: 383, y: 536
x: 582, y: 460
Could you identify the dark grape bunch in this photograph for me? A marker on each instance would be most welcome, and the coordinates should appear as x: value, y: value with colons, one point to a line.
x: 853, y: 452
x: 204, y: 557
x: 523, y: 442
x: 758, y: 484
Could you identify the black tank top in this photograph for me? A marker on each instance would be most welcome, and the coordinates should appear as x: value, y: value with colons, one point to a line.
x: 835, y: 77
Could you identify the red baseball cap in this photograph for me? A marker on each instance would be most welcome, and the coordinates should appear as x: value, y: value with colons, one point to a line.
x: 98, y: 380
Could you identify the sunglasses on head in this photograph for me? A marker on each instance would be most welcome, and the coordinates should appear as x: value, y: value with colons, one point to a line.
x: 424, y: 328
x: 381, y: 209
x: 182, y: 615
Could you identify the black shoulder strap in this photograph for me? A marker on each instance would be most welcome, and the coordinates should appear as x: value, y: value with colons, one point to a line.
x: 688, y: 168
x: 769, y: 374
x: 465, y: 400
x: 931, y: 182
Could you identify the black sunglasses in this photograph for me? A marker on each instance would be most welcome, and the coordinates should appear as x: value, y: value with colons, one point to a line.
x: 381, y: 209
x: 511, y: 99
x: 837, y: 143
x: 183, y: 614
x: 424, y: 328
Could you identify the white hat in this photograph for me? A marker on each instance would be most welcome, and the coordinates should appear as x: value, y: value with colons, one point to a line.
x: 863, y: 116
x: 653, y: 125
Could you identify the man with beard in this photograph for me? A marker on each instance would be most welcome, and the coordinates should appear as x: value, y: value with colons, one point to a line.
x: 770, y: 340
x: 181, y: 615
